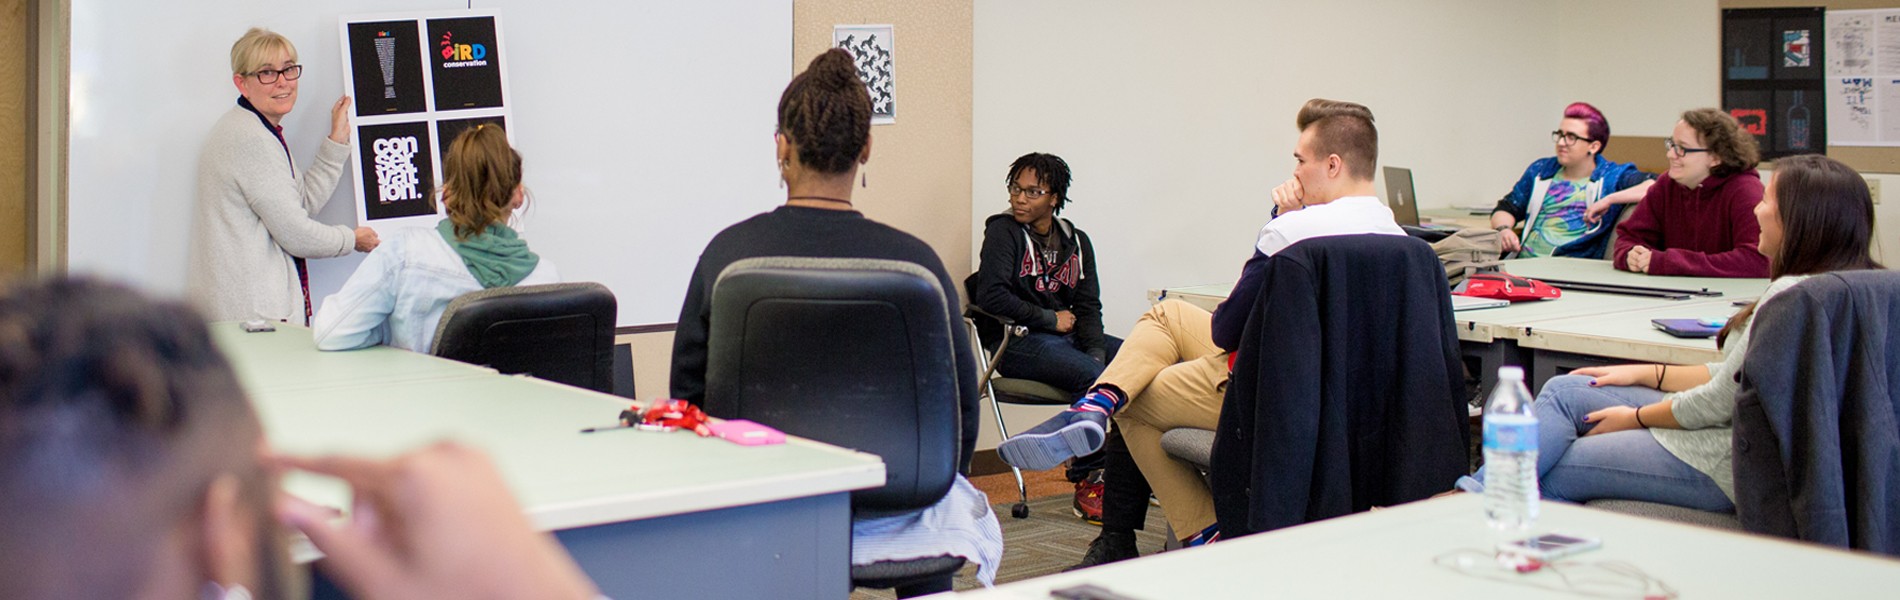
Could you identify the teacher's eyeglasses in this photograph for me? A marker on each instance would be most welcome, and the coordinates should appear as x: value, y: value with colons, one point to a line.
x: 290, y: 73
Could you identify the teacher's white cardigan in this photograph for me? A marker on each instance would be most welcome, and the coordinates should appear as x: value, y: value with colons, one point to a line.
x: 254, y: 212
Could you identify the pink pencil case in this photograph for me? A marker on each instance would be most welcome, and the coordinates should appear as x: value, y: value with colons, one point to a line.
x: 746, y: 433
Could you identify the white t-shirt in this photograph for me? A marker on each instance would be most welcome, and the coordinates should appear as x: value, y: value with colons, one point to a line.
x: 1346, y: 216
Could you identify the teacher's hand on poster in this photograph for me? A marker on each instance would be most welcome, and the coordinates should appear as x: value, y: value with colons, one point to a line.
x: 366, y: 239
x: 340, y: 133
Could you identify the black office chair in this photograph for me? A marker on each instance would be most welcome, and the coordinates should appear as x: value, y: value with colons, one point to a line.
x: 1006, y: 390
x: 560, y: 332
x: 851, y: 352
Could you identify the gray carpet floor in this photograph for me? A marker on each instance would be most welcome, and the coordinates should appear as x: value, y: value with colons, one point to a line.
x: 1050, y: 540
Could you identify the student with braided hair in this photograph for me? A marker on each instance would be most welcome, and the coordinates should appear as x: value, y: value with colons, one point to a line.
x: 398, y: 294
x: 824, y: 135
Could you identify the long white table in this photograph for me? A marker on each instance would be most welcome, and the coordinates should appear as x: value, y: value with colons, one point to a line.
x: 646, y: 514
x: 1396, y: 553
x: 1581, y: 328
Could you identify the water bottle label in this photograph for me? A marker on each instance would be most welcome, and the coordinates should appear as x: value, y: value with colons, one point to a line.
x: 1510, y: 437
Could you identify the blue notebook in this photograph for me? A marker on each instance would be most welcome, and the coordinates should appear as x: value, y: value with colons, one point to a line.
x: 1688, y: 328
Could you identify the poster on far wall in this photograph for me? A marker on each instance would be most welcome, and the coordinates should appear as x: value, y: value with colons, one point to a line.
x: 1863, y: 77
x: 1773, y: 77
x: 873, y: 48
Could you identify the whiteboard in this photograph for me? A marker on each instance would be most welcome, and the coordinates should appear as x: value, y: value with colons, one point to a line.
x: 644, y: 127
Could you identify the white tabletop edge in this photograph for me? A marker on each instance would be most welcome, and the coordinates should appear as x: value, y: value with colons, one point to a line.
x: 682, y: 500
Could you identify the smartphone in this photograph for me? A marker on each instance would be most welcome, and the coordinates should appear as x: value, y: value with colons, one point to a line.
x: 258, y: 326
x: 1086, y: 592
x: 1550, y: 546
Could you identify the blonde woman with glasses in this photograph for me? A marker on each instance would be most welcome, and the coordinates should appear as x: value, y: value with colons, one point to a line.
x: 254, y: 215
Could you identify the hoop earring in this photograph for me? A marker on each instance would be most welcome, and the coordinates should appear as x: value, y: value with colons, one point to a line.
x: 782, y: 165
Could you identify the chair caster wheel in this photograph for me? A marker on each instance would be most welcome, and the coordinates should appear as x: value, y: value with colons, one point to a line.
x: 1019, y: 510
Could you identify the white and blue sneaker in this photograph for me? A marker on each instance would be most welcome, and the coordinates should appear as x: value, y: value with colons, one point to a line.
x: 1069, y: 434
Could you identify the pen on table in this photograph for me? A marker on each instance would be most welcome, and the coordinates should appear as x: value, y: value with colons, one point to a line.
x: 607, y: 428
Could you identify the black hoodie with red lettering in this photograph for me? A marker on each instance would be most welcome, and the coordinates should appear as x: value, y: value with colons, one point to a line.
x: 1015, y: 281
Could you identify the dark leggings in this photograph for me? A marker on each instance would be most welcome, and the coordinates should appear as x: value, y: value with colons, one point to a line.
x: 1125, y: 492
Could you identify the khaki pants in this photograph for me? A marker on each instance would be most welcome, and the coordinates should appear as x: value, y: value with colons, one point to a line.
x: 1174, y: 376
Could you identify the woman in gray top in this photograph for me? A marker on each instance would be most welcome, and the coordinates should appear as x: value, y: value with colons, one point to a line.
x: 1661, y: 433
x: 254, y: 222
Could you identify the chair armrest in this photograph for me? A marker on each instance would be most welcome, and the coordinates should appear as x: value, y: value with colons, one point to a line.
x: 1010, y: 328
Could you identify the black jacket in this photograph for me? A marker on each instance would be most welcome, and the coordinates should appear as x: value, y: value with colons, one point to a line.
x: 1347, y: 392
x: 1014, y: 282
x: 1817, y: 419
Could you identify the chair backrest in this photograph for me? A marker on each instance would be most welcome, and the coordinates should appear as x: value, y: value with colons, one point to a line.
x: 852, y: 352
x: 561, y: 332
x: 1817, y: 418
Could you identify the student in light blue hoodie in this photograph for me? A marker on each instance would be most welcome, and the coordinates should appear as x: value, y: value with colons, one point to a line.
x: 397, y: 295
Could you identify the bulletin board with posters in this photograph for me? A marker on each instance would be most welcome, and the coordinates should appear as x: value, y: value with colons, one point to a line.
x: 418, y: 80
x: 1773, y: 77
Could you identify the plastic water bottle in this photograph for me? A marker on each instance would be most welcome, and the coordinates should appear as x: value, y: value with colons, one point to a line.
x: 1510, y: 454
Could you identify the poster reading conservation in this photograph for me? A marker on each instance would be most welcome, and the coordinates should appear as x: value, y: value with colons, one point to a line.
x: 418, y: 80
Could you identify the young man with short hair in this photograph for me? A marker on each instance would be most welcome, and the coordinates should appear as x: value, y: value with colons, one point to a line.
x: 1172, y: 370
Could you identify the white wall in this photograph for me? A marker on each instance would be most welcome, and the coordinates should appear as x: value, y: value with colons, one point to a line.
x: 1641, y: 62
x: 1644, y: 62
x: 1178, y: 117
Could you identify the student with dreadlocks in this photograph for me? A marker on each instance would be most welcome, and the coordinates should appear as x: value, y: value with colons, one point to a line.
x: 1038, y: 271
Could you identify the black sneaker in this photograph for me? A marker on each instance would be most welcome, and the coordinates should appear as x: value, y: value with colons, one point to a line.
x: 1107, y: 548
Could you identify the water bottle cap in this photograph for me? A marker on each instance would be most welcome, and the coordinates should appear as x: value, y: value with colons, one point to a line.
x: 1512, y: 373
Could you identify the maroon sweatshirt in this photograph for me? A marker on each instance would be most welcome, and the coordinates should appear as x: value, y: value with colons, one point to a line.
x: 1709, y: 231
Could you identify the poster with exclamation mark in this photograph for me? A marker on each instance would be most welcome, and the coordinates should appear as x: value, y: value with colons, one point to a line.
x: 388, y: 68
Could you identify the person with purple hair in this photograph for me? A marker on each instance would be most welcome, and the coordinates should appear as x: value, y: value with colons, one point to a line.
x: 1567, y: 204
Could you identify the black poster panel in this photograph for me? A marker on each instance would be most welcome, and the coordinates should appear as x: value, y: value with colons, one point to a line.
x: 1754, y: 110
x: 1798, y: 48
x: 466, y: 63
x: 398, y: 169
x: 1746, y: 51
x: 388, y: 67
x: 447, y: 129
x: 1802, y: 127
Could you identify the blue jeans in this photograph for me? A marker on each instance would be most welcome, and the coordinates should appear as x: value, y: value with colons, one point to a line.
x: 1627, y: 465
x: 1055, y: 360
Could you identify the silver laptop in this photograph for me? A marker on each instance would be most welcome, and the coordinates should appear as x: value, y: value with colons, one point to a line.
x: 1459, y: 303
x: 1399, y: 196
